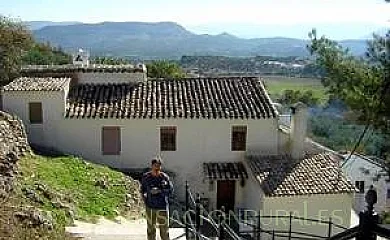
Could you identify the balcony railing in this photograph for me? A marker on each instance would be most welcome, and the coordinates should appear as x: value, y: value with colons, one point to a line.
x: 200, y: 224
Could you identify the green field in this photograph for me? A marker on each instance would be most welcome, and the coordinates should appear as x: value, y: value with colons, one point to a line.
x: 277, y: 84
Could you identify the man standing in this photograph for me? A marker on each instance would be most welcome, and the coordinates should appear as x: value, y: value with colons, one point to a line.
x: 156, y: 188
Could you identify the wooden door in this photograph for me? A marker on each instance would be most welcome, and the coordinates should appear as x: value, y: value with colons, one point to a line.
x: 226, y: 194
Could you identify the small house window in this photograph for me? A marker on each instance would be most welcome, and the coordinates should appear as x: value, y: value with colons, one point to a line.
x: 168, y: 138
x: 239, y: 138
x: 35, y: 112
x: 111, y: 141
x: 360, y: 186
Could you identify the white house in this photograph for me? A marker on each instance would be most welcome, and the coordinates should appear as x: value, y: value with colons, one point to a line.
x: 218, y: 134
x: 365, y: 171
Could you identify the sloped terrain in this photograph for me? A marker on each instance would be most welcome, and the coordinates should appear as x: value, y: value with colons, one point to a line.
x: 40, y: 195
x: 13, y: 146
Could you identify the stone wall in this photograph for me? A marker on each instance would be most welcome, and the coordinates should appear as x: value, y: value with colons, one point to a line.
x: 13, y: 145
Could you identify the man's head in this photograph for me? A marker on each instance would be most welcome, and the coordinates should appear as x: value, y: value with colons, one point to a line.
x: 156, y: 164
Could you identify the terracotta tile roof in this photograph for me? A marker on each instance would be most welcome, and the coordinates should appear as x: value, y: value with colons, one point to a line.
x: 183, y: 98
x: 224, y: 170
x: 37, y: 84
x: 316, y: 174
x: 76, y: 68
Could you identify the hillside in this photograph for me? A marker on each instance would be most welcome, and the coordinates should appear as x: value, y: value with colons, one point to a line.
x: 35, y: 25
x: 40, y: 195
x: 52, y: 192
x: 168, y: 40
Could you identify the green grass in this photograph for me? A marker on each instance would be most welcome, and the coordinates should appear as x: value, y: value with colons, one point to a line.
x: 277, y: 84
x: 72, y: 181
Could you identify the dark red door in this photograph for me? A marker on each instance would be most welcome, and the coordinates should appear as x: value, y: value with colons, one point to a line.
x: 226, y: 194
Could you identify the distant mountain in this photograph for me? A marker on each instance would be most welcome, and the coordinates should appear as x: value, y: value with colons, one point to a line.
x: 168, y: 40
x: 382, y: 31
x: 36, y: 25
x: 336, y: 31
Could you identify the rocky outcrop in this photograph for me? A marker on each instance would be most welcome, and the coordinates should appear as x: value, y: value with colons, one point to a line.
x: 33, y: 217
x: 13, y: 145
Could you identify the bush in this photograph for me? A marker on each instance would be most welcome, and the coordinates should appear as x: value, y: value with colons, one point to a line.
x: 339, y: 134
x: 292, y: 96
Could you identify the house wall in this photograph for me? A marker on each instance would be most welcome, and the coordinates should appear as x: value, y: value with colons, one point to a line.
x: 360, y: 169
x: 1, y: 101
x: 53, y: 107
x: 337, y: 206
x: 284, y: 140
x: 104, y: 78
x: 251, y: 203
x: 254, y: 196
x: 198, y: 141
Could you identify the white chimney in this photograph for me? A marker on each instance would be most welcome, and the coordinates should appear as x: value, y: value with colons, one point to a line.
x: 298, y: 130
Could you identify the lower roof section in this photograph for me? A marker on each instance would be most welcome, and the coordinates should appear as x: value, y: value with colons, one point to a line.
x: 280, y: 175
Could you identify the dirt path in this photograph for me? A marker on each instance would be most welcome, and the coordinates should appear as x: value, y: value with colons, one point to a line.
x: 121, y: 229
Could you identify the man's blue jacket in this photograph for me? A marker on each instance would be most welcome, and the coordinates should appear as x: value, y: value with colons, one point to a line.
x: 156, y: 190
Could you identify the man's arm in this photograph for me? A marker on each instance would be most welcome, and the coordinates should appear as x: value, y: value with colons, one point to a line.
x: 169, y: 188
x: 144, y: 186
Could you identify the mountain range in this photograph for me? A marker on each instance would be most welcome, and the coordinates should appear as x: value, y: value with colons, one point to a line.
x: 166, y: 40
x: 36, y: 25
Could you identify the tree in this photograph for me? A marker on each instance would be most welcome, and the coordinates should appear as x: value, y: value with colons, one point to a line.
x: 45, y: 54
x: 289, y: 97
x: 363, y: 83
x: 164, y: 69
x: 15, y: 40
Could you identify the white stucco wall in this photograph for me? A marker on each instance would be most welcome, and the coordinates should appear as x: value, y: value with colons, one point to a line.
x: 337, y: 206
x: 360, y: 169
x: 254, y: 195
x: 104, y: 78
x: 53, y: 107
x: 198, y: 141
x: 284, y: 145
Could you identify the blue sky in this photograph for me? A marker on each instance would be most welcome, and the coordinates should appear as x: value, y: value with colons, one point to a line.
x: 209, y: 15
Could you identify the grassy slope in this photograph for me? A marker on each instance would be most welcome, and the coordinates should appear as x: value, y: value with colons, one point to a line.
x: 277, y: 84
x: 72, y: 182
